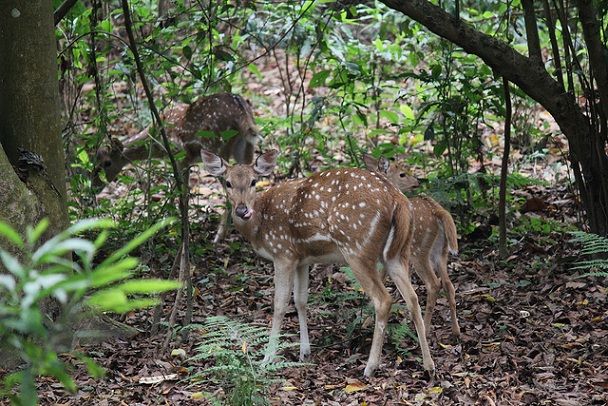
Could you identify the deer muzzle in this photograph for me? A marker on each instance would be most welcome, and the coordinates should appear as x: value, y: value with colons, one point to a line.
x: 243, y: 212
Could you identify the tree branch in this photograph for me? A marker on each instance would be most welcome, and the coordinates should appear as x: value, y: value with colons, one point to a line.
x: 63, y: 10
x: 532, y: 78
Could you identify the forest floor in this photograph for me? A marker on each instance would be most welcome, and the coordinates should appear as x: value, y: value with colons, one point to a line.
x: 532, y: 333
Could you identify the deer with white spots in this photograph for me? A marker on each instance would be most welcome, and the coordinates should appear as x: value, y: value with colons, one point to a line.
x: 434, y: 237
x: 204, y: 124
x: 341, y: 215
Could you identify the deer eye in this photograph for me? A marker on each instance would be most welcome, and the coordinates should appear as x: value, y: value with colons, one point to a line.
x: 402, y: 175
x: 253, y: 182
x: 228, y: 185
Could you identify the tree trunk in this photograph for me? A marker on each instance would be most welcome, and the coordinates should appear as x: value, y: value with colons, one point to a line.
x: 30, y: 105
x: 587, y: 144
x: 30, y: 120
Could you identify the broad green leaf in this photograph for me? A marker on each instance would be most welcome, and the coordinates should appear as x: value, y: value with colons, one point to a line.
x: 10, y: 234
x: 391, y: 116
x: 407, y: 112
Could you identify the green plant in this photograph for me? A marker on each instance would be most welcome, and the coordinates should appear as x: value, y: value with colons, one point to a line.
x: 45, y: 273
x: 236, y: 350
x: 593, y: 245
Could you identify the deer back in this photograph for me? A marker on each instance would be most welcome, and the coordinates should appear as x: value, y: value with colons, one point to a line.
x: 321, y: 219
x: 200, y: 125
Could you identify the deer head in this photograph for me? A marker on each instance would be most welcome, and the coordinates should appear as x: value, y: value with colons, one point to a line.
x: 240, y: 180
x: 396, y: 173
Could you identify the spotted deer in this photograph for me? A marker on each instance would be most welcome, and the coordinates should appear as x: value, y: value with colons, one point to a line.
x: 433, y: 238
x: 203, y: 124
x: 341, y: 215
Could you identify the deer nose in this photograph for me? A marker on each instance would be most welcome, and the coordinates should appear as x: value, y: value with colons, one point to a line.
x: 241, y: 210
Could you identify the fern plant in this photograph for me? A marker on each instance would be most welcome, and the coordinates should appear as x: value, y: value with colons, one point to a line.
x: 237, y: 350
x: 594, y: 247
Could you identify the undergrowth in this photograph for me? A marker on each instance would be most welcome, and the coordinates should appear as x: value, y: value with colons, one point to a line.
x: 236, y: 352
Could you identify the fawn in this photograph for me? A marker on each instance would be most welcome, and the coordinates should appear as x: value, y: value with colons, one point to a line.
x: 202, y: 124
x: 341, y: 215
x: 434, y: 236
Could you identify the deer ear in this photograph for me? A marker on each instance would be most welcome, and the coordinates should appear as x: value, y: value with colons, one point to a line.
x: 371, y: 163
x: 213, y: 164
x: 383, y: 164
x: 265, y: 163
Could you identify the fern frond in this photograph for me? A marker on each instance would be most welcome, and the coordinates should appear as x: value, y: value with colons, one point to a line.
x: 592, y: 245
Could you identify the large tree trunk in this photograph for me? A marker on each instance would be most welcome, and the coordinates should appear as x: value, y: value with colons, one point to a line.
x: 29, y: 104
x: 587, y: 142
x: 29, y: 120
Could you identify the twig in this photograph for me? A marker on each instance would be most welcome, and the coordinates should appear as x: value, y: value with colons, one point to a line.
x: 177, y: 173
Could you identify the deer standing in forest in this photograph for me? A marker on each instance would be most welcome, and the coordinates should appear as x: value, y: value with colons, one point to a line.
x: 342, y: 215
x: 434, y: 236
x: 200, y: 125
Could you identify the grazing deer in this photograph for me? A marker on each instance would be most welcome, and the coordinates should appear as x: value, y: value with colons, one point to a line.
x: 434, y: 236
x: 342, y: 215
x: 200, y: 125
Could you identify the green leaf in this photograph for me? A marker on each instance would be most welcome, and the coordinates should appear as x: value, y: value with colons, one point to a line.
x: 10, y: 234
x: 407, y: 112
x: 12, y: 264
x: 113, y: 272
x: 109, y: 299
x: 36, y: 233
x: 106, y: 25
x: 147, y: 286
x: 137, y: 241
x: 390, y: 116
x: 318, y: 79
x: 90, y: 224
x: 135, y: 304
x: 93, y: 369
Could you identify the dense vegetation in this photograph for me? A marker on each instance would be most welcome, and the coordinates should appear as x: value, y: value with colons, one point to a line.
x: 503, y: 120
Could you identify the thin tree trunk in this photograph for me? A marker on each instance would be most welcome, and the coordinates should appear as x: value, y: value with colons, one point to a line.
x: 504, y: 171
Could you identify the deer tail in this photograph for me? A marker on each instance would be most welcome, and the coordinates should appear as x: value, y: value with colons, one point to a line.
x: 449, y: 228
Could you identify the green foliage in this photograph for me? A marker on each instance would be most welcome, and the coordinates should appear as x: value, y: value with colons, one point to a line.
x: 593, y: 245
x: 45, y: 273
x: 237, y: 350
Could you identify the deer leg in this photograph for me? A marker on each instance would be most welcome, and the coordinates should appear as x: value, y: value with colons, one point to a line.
x: 283, y: 284
x: 398, y: 270
x: 371, y: 282
x: 424, y: 269
x: 300, y: 297
x: 442, y: 267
